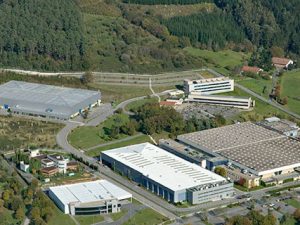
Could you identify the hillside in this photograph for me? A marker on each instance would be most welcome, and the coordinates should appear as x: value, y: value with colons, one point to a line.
x: 141, y: 35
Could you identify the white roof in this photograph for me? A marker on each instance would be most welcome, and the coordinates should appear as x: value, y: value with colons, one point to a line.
x: 163, y: 167
x: 89, y: 192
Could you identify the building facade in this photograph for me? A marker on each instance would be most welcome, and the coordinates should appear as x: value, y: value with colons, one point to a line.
x: 209, y: 86
x: 229, y: 101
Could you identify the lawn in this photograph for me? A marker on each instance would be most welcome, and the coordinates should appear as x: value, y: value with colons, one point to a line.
x: 135, y: 105
x: 290, y: 87
x: 60, y: 218
x: 260, y: 111
x: 259, y: 86
x: 294, y: 203
x: 225, y: 59
x: 118, y: 93
x: 137, y: 140
x: 17, y: 132
x: 86, y: 137
x: 118, y: 215
x: 88, y: 220
x: 146, y: 217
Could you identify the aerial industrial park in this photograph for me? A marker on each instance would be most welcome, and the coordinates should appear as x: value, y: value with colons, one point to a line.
x: 198, y: 174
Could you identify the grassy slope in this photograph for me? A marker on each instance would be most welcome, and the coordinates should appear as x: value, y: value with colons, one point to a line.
x: 260, y: 111
x: 221, y: 60
x: 290, y: 83
x: 88, y: 220
x: 146, y: 217
x: 257, y: 85
x: 137, y: 140
x: 60, y: 218
x: 85, y: 137
x: 18, y: 132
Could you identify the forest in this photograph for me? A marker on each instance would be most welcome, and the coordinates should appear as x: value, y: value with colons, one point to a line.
x: 167, y: 2
x: 45, y: 35
x: 132, y: 35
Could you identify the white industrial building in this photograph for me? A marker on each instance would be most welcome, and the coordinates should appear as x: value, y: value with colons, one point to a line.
x: 209, y: 86
x: 94, y: 197
x: 167, y: 175
x: 229, y: 101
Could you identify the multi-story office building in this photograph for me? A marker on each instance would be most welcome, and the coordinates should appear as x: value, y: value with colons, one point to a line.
x: 209, y: 86
x: 229, y: 101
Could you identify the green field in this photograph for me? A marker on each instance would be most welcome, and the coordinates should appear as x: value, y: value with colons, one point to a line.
x: 60, y: 218
x: 118, y: 215
x: 290, y: 87
x: 17, y: 132
x: 135, y: 105
x: 119, y: 93
x: 137, y: 140
x: 146, y: 217
x: 259, y: 86
x: 222, y: 61
x: 88, y: 220
x: 294, y: 203
x: 86, y: 137
x: 260, y: 111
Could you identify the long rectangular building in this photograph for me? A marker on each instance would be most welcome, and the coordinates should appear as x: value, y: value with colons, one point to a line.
x: 94, y: 197
x: 229, y: 101
x: 254, y: 148
x: 167, y: 175
x: 209, y: 86
x: 46, y: 100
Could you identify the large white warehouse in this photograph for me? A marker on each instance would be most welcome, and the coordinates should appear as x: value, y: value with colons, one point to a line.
x: 94, y: 197
x: 167, y: 175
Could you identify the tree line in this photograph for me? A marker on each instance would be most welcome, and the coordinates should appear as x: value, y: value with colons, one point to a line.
x: 166, y: 2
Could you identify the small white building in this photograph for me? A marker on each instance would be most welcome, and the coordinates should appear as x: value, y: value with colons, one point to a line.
x: 24, y: 167
x: 34, y: 153
x: 94, y: 197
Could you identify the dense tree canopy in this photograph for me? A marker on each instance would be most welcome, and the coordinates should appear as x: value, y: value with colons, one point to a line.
x: 41, y: 34
x: 167, y: 2
x: 213, y: 29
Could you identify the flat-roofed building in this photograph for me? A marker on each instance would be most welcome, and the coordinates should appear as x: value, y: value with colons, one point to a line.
x: 166, y: 174
x: 283, y: 126
x: 229, y: 101
x: 94, y: 197
x: 209, y: 86
x: 46, y: 100
x: 251, y: 147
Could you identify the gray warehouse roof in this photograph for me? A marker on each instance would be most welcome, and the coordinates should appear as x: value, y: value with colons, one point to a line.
x: 249, y: 145
x: 45, y: 99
